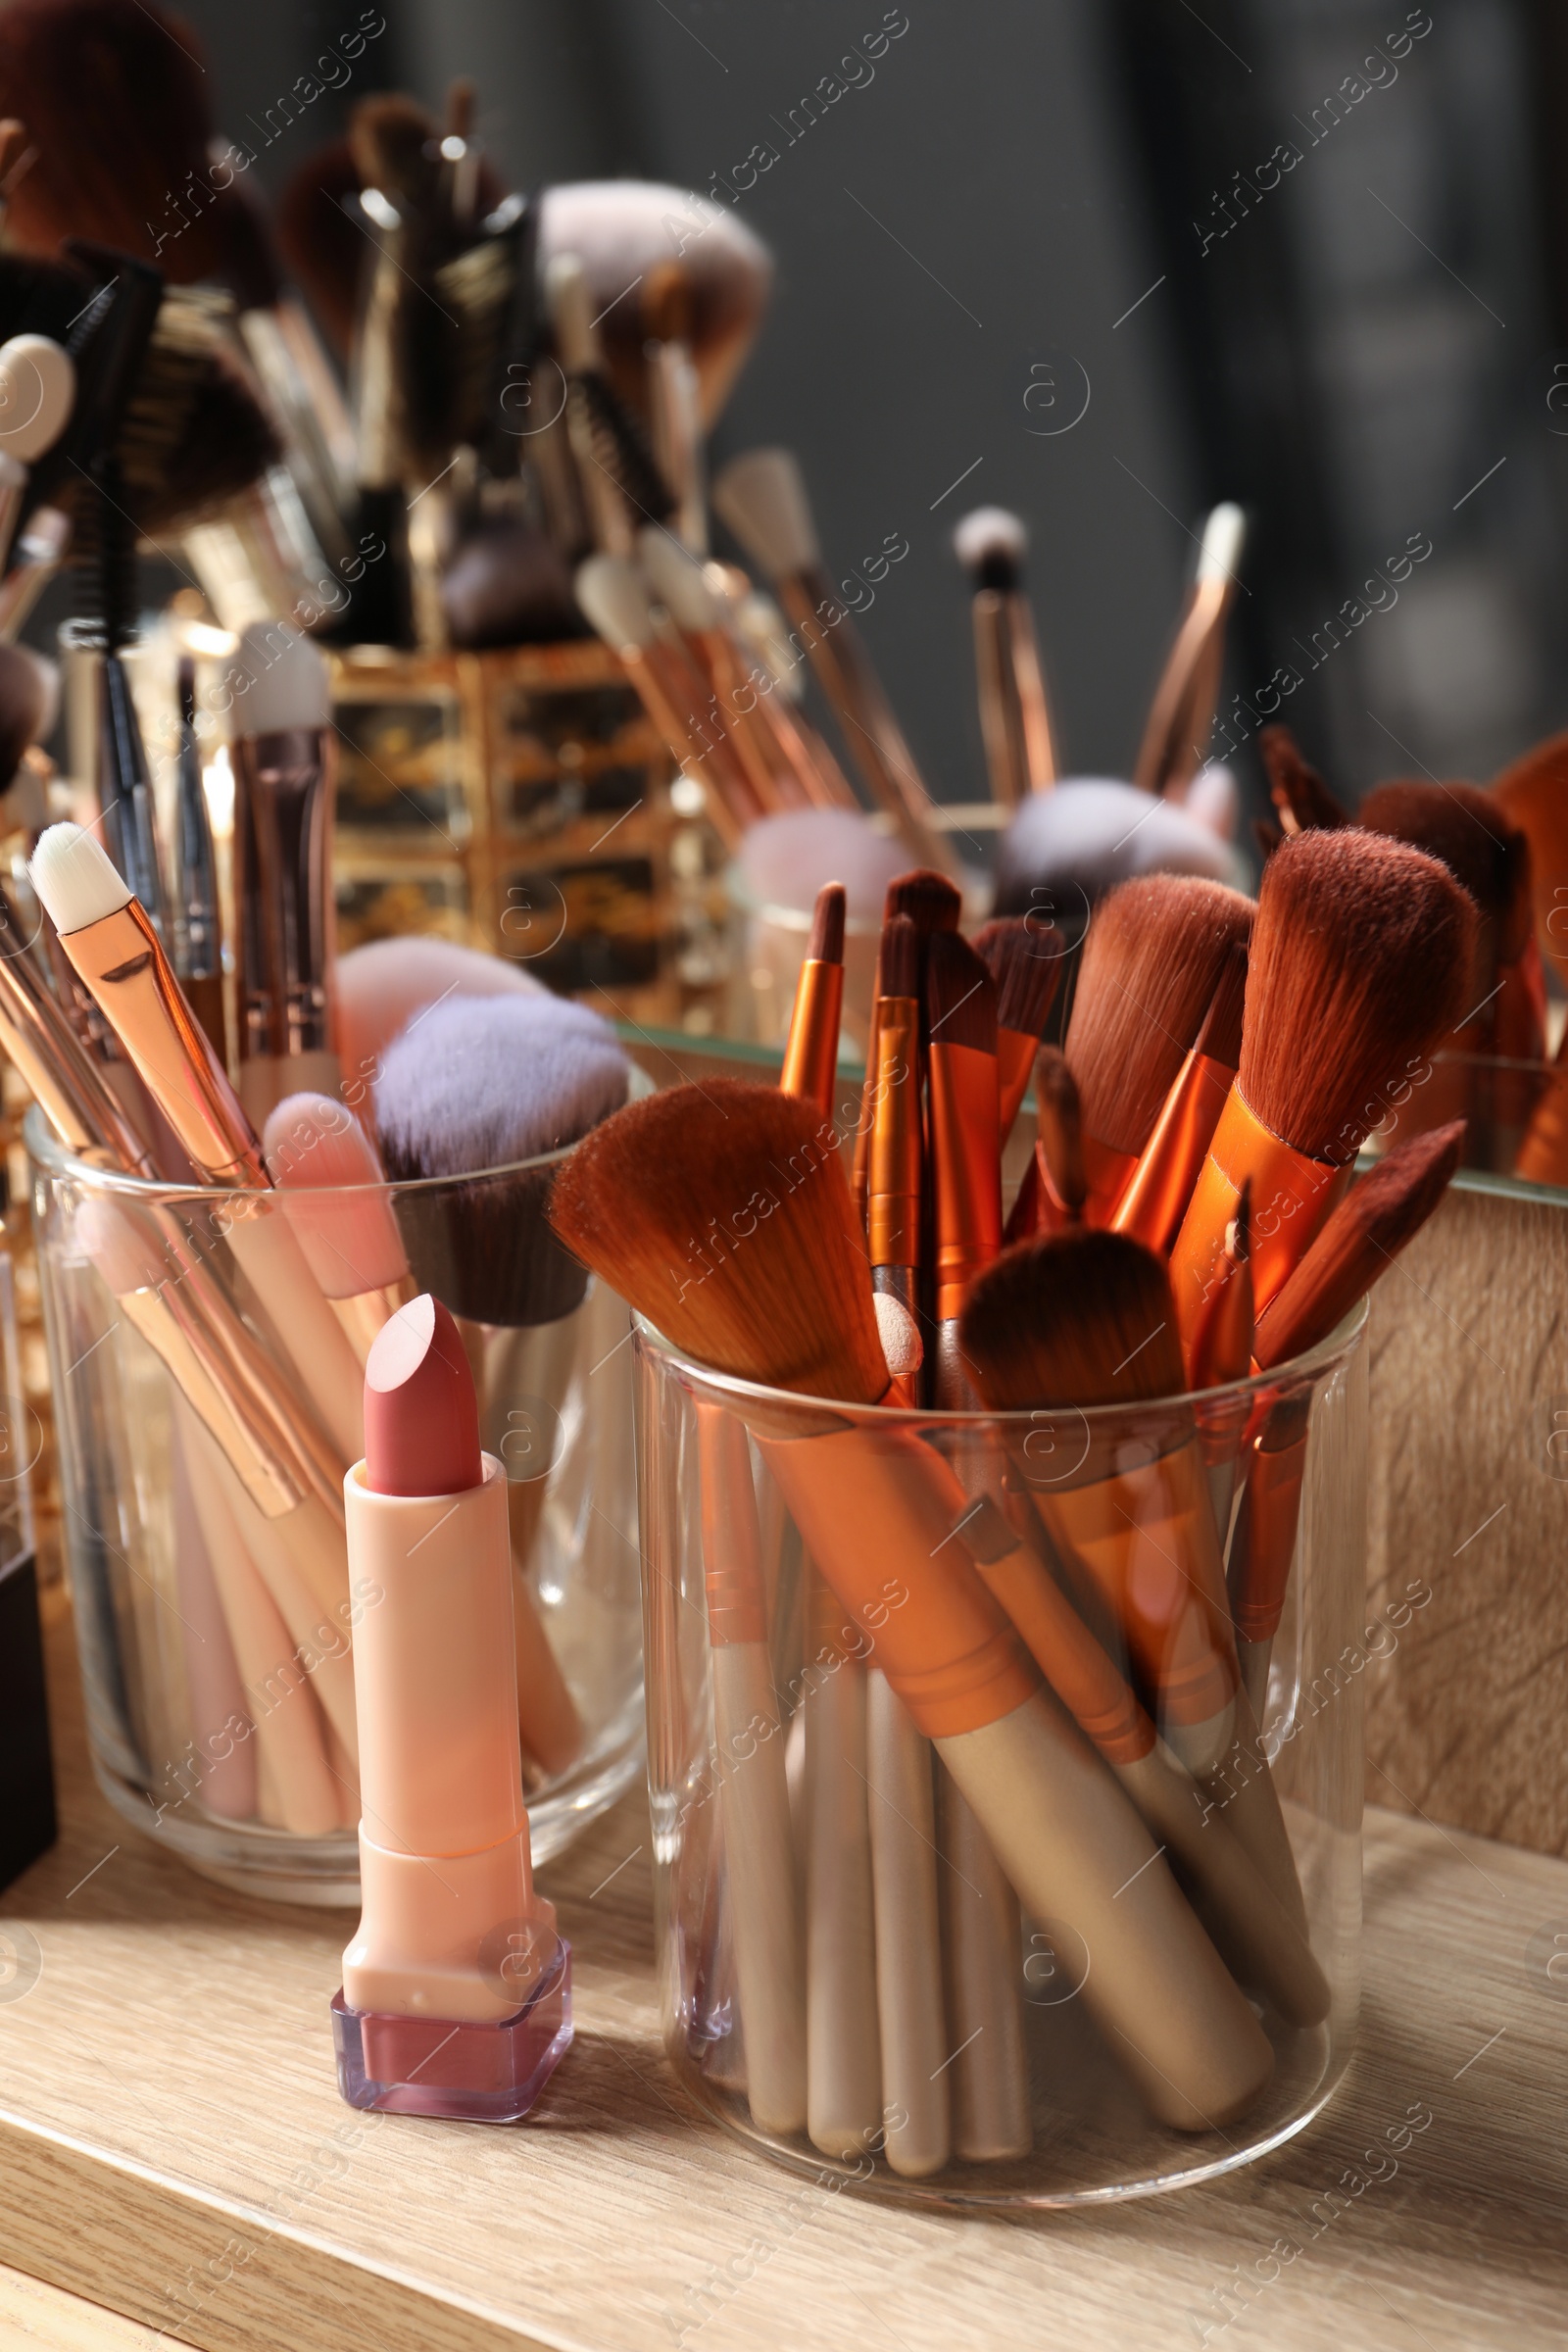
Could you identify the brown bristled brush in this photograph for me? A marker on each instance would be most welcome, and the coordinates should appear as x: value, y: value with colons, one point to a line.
x: 1359, y: 957
x: 1533, y: 794
x: 1153, y: 1206
x: 1150, y: 964
x: 1378, y: 1217
x: 932, y: 904
x: 648, y: 1200
x: 1051, y: 1198
x: 1299, y: 793
x: 1026, y: 958
x: 965, y: 1154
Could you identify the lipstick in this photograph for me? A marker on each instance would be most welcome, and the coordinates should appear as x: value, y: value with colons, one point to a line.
x: 457, y: 1989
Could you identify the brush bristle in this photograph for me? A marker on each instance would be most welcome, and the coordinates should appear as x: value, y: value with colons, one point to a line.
x: 787, y: 858
x: 382, y: 986
x: 990, y: 543
x: 1300, y: 794
x: 75, y: 878
x: 1077, y: 1318
x: 676, y: 579
x: 960, y: 996
x: 826, y: 943
x: 614, y: 597
x: 23, y: 702
x: 1026, y: 958
x: 721, y: 1214
x: 930, y: 901
x: 899, y: 959
x: 1220, y: 1037
x: 1058, y: 1120
x: 325, y: 1167
x: 1466, y: 828
x: 322, y: 243
x: 1359, y: 961
x: 762, y: 497
x: 1150, y: 964
x: 281, y: 682
x: 1382, y: 1211
x: 482, y: 1083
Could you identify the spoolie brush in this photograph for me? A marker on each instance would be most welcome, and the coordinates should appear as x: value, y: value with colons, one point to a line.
x: 1359, y: 960
x: 1150, y: 964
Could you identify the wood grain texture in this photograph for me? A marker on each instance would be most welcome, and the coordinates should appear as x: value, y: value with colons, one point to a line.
x: 172, y: 2144
x: 1469, y: 1506
x: 45, y: 2318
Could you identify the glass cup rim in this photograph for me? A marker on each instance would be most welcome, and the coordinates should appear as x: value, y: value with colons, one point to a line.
x: 59, y: 1162
x: 1297, y: 1372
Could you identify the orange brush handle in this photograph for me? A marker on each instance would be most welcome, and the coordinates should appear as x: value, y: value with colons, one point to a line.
x: 1108, y: 1174
x: 1291, y: 1197
x: 860, y: 1181
x: 1062, y: 1645
x: 1146, y: 1537
x: 1265, y: 1530
x: 893, y: 1194
x: 812, y: 1052
x: 966, y: 1169
x: 732, y: 1542
x: 1152, y: 1208
x: 877, y: 1513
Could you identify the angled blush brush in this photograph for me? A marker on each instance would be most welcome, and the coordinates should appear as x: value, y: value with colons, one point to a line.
x: 1380, y: 1216
x: 1150, y: 964
x: 1357, y: 965
x: 1014, y: 717
x: 1152, y: 1208
x: 787, y: 1302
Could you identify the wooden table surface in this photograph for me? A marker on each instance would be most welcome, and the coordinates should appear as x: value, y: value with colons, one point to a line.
x: 172, y: 2146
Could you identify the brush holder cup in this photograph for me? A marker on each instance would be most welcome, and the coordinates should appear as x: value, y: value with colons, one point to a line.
x: 918, y: 1931
x: 202, y: 1523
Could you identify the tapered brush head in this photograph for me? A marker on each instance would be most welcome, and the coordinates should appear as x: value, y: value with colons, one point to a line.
x: 1076, y: 1318
x: 482, y: 1083
x: 930, y: 901
x: 1220, y: 1037
x: 1381, y: 1213
x: 990, y: 543
x: 1025, y: 957
x: 960, y: 996
x: 1466, y: 828
x: 898, y: 968
x: 826, y: 943
x: 1305, y: 802
x: 1059, y: 1119
x: 1359, y: 959
x: 721, y: 1214
x: 74, y: 879
x: 1150, y: 964
x: 326, y: 1168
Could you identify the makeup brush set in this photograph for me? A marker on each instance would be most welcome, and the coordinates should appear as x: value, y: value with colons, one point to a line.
x: 980, y: 1777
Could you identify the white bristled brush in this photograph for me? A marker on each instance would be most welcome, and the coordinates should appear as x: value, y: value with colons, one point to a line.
x: 1014, y: 716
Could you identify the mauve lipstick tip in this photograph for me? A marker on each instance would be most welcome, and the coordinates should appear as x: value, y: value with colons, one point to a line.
x: 422, y: 1416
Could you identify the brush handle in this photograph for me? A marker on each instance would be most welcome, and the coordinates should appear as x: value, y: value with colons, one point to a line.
x: 276, y: 1266
x: 844, y: 2074
x: 764, y: 1916
x: 304, y: 1564
x: 213, y: 1684
x: 1241, y: 1786
x: 982, y: 1947
x: 909, y: 1940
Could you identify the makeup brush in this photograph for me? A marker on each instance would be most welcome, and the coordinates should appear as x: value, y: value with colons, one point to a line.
x: 113, y: 950
x: 1025, y: 960
x: 965, y: 1151
x: 1380, y: 1216
x: 843, y: 2071
x: 68, y: 1085
x: 622, y: 487
x: 812, y: 1048
x: 1181, y: 716
x: 1152, y: 1208
x: 1533, y: 794
x: 284, y: 757
x: 1357, y: 965
x: 322, y: 244
x: 1150, y: 968
x: 1059, y: 1138
x: 1065, y: 848
x: 221, y: 1726
x: 674, y: 399
x: 932, y: 904
x: 23, y: 702
x: 786, y: 1301
x: 196, y: 920
x: 894, y: 1181
x: 623, y: 230
x: 333, y: 1195
x: 1015, y: 718
x: 1302, y: 800
x: 761, y: 497
x: 915, y: 2045
x: 384, y: 983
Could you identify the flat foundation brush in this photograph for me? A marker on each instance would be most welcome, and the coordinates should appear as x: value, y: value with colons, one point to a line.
x: 648, y: 1200
x: 1150, y: 964
x: 1359, y: 961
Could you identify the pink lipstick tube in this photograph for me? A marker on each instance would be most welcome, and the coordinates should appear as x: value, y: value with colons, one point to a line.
x: 456, y: 1997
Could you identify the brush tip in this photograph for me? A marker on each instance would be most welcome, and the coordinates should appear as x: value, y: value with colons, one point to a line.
x: 898, y: 957
x: 289, y: 686
x: 826, y: 943
x: 75, y: 879
x: 326, y: 1168
x: 761, y: 497
x: 990, y: 543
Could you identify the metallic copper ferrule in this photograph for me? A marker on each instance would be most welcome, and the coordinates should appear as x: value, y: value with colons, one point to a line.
x: 1264, y: 1541
x: 966, y: 1169
x: 76, y: 1097
x: 892, y: 1173
x: 121, y: 961
x: 283, y: 791
x: 1108, y: 1175
x: 1152, y: 1208
x: 1015, y: 1062
x: 812, y: 1053
x: 1292, y: 1198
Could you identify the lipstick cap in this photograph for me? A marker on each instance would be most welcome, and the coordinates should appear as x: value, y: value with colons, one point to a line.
x: 475, y: 2073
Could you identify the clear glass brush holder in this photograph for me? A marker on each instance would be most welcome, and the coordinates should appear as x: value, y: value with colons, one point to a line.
x: 918, y: 1931
x: 208, y: 1579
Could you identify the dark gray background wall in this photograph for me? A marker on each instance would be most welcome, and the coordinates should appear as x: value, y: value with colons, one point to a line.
x: 1008, y: 184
